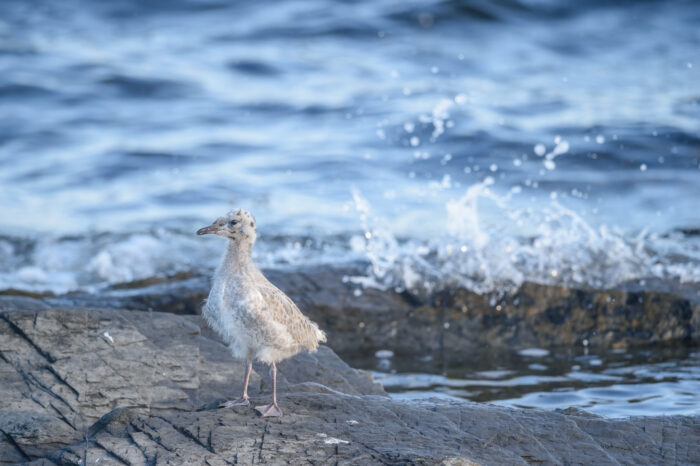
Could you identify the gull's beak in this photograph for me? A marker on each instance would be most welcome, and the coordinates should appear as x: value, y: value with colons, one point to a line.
x: 210, y: 230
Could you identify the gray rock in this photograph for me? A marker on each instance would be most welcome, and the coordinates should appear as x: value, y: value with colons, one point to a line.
x: 132, y: 387
x: 334, y: 428
x: 62, y: 369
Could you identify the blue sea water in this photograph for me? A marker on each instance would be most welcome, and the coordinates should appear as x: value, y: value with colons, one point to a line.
x: 535, y: 138
x: 611, y: 383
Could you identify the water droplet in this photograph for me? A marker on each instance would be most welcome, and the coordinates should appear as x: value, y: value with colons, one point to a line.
x: 384, y: 354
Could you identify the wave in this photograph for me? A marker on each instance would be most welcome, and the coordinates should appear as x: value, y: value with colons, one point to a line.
x: 488, y: 245
x: 495, y: 250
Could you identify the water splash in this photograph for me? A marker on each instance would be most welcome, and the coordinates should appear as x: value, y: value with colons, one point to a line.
x: 492, y: 246
x: 488, y: 244
x: 91, y: 263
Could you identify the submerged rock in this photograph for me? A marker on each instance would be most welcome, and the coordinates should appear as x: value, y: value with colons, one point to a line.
x: 97, y: 386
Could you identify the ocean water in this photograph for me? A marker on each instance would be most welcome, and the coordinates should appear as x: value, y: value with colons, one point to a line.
x: 473, y: 142
x: 610, y: 383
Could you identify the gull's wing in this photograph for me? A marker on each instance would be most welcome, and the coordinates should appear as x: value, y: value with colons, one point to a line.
x: 283, y: 310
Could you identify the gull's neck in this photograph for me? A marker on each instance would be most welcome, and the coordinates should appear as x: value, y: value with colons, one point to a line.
x: 238, y: 253
x: 237, y: 259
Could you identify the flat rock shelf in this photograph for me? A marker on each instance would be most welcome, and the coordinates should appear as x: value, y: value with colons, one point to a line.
x: 117, y: 386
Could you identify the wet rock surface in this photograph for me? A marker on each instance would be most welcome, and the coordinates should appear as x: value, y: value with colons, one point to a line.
x: 460, y: 320
x: 134, y: 387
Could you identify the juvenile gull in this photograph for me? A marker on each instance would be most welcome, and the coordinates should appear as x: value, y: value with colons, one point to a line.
x: 255, y: 318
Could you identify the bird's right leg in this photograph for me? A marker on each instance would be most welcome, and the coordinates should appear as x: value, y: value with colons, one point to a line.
x: 242, y: 401
x: 271, y: 410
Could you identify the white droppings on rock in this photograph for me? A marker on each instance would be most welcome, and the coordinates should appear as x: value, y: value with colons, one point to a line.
x: 335, y: 441
x: 108, y: 337
x: 331, y: 440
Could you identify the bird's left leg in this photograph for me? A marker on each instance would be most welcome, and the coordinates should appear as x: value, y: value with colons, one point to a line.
x: 242, y: 401
x: 271, y: 410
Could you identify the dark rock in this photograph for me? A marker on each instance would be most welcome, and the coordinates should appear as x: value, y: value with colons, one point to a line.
x: 12, y: 303
x: 534, y: 315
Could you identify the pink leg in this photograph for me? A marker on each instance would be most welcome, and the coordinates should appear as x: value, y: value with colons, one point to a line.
x: 242, y: 401
x: 271, y: 410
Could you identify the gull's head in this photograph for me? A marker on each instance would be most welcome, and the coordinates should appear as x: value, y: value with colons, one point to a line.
x: 238, y: 226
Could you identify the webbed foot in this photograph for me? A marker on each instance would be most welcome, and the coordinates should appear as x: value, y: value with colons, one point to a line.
x: 269, y: 410
x: 242, y: 401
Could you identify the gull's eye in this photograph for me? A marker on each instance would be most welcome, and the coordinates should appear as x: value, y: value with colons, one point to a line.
x: 232, y: 222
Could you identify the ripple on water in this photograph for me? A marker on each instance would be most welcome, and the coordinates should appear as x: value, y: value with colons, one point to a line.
x: 649, y: 382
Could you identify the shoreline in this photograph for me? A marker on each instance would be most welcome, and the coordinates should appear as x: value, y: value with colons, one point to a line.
x: 533, y: 315
x: 134, y: 364
x: 126, y: 386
